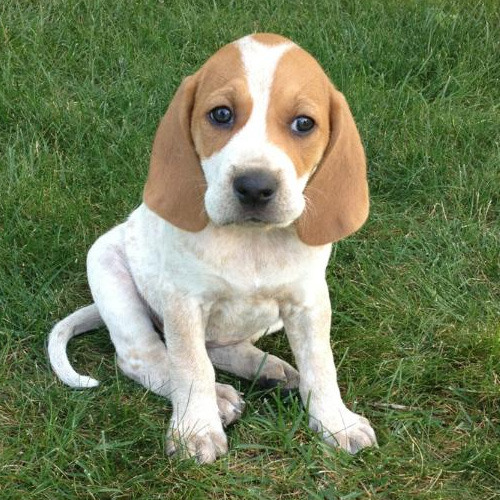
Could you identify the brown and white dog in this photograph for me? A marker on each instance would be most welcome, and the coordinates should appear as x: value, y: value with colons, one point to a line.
x: 256, y: 168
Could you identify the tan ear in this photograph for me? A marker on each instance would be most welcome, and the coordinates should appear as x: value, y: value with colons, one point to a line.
x: 337, y: 193
x: 175, y: 187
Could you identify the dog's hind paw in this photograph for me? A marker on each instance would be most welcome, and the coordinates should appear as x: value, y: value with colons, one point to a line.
x: 276, y: 372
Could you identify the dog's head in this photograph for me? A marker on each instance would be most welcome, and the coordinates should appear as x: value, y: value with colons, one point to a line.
x: 259, y: 135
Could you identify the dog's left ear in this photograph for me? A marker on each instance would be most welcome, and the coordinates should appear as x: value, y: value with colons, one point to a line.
x: 175, y: 187
x: 337, y: 194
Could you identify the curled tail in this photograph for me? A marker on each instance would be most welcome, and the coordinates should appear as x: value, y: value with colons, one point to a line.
x: 81, y: 321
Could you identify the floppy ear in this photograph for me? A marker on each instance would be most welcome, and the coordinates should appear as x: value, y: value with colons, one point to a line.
x: 175, y: 187
x: 337, y: 193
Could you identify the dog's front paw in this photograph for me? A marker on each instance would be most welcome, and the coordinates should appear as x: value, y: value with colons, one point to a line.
x: 204, y: 441
x: 229, y: 402
x: 351, y: 431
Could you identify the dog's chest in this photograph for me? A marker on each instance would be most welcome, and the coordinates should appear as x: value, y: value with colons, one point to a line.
x: 235, y: 319
x: 242, y: 287
x: 241, y: 279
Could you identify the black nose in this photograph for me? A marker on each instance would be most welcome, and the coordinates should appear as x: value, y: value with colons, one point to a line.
x: 255, y: 188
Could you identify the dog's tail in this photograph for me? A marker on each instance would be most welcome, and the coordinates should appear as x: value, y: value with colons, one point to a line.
x: 81, y: 321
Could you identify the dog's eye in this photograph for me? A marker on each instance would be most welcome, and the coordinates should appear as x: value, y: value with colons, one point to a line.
x: 302, y: 125
x: 221, y: 115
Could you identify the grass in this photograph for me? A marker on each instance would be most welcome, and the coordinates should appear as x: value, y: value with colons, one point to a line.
x: 416, y: 293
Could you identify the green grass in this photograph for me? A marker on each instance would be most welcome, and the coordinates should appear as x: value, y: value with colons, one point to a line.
x: 416, y: 293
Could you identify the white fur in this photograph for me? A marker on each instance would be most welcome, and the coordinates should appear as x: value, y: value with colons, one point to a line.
x: 214, y: 292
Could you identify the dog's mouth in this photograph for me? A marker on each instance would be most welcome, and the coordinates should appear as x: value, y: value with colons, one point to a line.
x: 260, y: 221
x: 255, y: 220
x: 250, y: 222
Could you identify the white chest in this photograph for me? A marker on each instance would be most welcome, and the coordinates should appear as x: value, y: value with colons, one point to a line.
x: 235, y: 319
x: 241, y: 277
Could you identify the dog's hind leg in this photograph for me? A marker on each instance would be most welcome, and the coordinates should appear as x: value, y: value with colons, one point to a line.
x: 141, y: 353
x: 247, y: 361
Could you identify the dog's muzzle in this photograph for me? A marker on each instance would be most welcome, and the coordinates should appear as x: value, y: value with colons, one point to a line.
x: 255, y: 189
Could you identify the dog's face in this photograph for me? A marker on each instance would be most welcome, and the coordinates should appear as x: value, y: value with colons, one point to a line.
x: 260, y: 125
x: 260, y: 136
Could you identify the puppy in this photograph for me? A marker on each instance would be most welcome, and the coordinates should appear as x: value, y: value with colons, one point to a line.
x: 256, y: 168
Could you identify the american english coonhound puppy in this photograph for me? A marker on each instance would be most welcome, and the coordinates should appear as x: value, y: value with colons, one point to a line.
x: 256, y: 168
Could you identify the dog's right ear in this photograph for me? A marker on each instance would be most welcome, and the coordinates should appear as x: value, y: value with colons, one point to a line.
x: 175, y: 187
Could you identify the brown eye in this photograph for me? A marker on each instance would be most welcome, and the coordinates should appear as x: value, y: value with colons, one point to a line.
x: 221, y: 115
x: 302, y: 125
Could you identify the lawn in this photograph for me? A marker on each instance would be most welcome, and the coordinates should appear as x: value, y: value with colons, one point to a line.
x: 415, y: 293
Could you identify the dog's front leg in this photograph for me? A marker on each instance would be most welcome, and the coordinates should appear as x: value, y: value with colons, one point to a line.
x: 195, y: 428
x: 307, y: 324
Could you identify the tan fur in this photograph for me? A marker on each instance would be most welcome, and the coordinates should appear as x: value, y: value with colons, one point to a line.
x: 337, y: 194
x: 270, y: 39
x: 175, y: 186
x: 299, y: 88
x: 221, y: 82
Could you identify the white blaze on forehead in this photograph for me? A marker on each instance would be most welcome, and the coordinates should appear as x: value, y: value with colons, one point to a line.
x: 250, y: 146
x: 260, y: 61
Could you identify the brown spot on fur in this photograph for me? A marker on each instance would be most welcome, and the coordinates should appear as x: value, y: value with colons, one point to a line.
x: 175, y: 186
x: 221, y: 82
x: 270, y: 39
x: 300, y: 87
